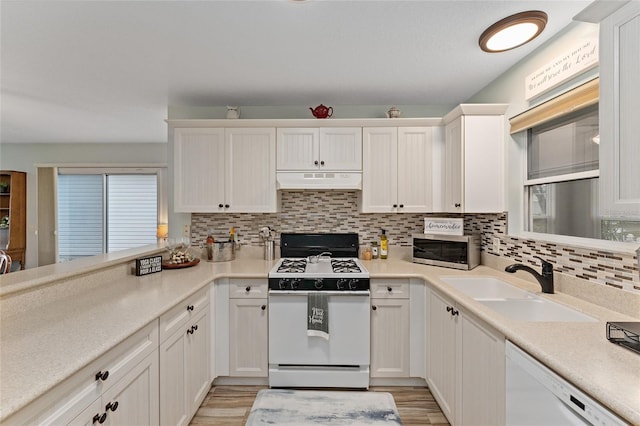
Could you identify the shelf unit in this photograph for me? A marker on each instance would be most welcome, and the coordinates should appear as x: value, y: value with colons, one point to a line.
x: 13, y: 205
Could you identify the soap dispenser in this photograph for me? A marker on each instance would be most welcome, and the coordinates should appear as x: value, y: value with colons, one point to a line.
x: 384, y: 245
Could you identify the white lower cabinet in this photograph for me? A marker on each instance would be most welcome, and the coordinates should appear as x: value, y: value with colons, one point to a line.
x: 465, y: 365
x: 389, y: 338
x: 241, y: 328
x: 120, y: 387
x: 184, y: 359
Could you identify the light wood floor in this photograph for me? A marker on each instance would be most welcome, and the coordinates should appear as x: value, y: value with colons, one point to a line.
x: 230, y: 405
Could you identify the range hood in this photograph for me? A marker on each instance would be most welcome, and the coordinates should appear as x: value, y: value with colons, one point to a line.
x: 319, y: 180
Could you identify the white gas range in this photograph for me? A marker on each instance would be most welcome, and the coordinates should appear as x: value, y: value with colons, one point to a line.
x: 338, y: 356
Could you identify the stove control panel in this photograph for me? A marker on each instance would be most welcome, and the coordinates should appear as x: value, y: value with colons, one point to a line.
x: 319, y: 284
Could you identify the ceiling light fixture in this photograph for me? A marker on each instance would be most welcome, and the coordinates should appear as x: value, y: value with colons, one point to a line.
x: 513, y: 31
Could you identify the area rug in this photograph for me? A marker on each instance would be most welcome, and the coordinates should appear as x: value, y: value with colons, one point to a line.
x: 308, y: 407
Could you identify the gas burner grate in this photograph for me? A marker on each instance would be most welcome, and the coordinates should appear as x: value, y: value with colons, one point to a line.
x: 345, y: 266
x: 293, y: 265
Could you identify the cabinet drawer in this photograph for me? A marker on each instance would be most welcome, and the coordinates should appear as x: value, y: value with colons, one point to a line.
x: 71, y: 397
x: 390, y: 289
x: 248, y: 289
x: 179, y: 315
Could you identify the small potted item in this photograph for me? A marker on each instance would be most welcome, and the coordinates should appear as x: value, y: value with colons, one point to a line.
x: 4, y: 187
x: 393, y: 112
x: 233, y: 112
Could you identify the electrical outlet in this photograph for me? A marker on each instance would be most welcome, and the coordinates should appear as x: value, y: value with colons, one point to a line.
x: 186, y: 230
x: 496, y: 244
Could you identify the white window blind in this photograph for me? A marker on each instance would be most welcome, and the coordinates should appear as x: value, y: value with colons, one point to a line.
x: 100, y: 213
x: 80, y: 216
x: 132, y: 211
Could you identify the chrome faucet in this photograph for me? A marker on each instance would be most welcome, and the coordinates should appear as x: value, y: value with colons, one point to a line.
x: 545, y: 279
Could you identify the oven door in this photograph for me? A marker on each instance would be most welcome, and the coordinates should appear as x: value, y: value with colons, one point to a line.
x: 349, y: 325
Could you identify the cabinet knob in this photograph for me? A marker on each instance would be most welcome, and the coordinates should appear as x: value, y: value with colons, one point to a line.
x: 322, y: 163
x: 100, y: 418
x: 220, y: 205
x: 401, y: 206
x: 226, y: 206
x: 113, y: 406
x: 454, y: 312
x: 248, y: 289
x: 374, y: 307
x: 190, y: 331
x: 389, y: 289
x: 102, y: 375
x: 189, y: 308
x: 263, y: 307
x: 395, y: 205
x: 449, y: 309
x: 457, y: 205
x: 315, y: 162
x: 195, y: 327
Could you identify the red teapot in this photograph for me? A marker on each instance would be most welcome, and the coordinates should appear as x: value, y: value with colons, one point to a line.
x: 321, y: 111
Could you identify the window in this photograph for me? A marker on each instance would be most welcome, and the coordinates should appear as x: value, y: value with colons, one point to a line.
x: 562, y: 180
x: 103, y: 213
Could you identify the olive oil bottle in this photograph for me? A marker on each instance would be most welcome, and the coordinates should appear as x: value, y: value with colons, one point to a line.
x: 384, y: 245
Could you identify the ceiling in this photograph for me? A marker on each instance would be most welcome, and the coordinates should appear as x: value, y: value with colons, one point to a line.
x: 106, y: 71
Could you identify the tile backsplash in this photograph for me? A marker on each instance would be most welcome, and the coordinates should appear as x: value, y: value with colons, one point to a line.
x: 337, y: 211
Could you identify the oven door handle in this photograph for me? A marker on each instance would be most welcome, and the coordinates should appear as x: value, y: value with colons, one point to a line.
x: 328, y: 292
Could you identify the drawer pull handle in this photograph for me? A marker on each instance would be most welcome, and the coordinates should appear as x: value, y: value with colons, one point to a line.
x: 100, y: 418
x: 189, y: 308
x: 248, y: 289
x: 457, y: 205
x: 263, y: 307
x: 389, y: 289
x: 374, y: 307
x: 113, y: 406
x: 100, y: 375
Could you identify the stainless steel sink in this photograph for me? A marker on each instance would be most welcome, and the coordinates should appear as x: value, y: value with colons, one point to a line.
x: 513, y: 302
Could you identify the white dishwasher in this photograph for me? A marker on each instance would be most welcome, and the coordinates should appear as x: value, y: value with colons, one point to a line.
x: 536, y: 396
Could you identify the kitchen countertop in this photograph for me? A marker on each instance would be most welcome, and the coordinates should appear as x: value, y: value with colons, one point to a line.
x: 48, y: 334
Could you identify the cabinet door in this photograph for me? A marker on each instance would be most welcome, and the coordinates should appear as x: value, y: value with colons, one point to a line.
x: 482, y: 376
x: 442, y: 354
x: 248, y: 355
x: 483, y: 164
x: 298, y: 149
x: 389, y: 337
x: 197, y: 362
x: 199, y: 170
x: 251, y: 170
x: 453, y: 168
x: 173, y: 372
x: 136, y: 395
x: 619, y: 106
x: 415, y: 170
x: 341, y: 148
x: 379, y: 170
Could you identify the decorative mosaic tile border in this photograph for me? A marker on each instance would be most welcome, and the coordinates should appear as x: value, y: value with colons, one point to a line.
x: 336, y: 211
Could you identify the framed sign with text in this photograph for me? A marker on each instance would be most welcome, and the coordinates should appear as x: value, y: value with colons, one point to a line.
x: 148, y: 265
x: 443, y: 225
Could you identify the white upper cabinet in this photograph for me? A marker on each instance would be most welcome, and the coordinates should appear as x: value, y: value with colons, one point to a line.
x: 619, y: 107
x: 225, y: 170
x: 326, y: 148
x: 401, y: 169
x: 198, y: 169
x: 250, y: 170
x: 474, y: 159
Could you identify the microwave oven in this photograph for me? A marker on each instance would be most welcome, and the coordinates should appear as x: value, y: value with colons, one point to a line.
x: 451, y: 251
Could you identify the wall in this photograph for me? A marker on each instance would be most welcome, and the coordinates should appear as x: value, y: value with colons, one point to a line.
x: 336, y: 211
x: 27, y: 157
x: 617, y: 269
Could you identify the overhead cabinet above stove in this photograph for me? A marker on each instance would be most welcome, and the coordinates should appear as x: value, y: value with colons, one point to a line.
x: 319, y: 158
